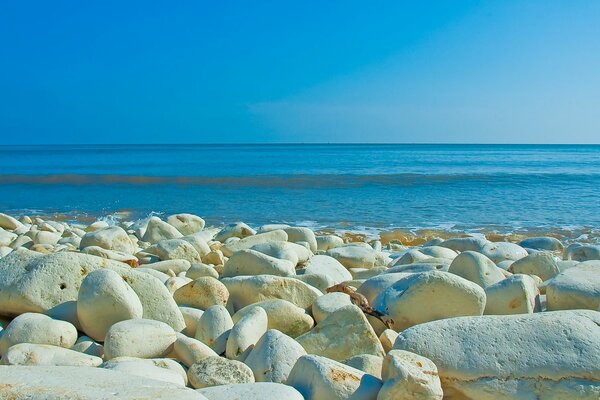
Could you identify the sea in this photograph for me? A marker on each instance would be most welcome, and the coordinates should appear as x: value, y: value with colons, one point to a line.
x: 360, y: 187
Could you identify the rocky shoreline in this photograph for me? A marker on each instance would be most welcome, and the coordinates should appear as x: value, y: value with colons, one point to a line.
x: 170, y: 309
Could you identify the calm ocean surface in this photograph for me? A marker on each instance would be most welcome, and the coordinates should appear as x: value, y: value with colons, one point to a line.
x: 454, y: 187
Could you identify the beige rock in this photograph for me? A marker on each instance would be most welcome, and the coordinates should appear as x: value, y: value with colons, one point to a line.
x: 408, y: 375
x: 328, y: 242
x: 189, y: 350
x: 320, y: 378
x: 215, y: 371
x: 465, y: 244
x: 238, y: 229
x: 158, y: 230
x: 387, y: 339
x: 329, y: 303
x: 187, y: 224
x: 214, y: 328
x: 162, y: 369
x: 111, y: 238
x: 6, y: 238
x: 87, y: 345
x: 191, y: 317
x: 301, y: 234
x: 273, y: 357
x: 583, y: 253
x: 367, y: 363
x: 175, y: 249
x: 103, y: 300
x: 37, y: 329
x: 214, y: 257
x: 429, y: 296
x: 517, y: 294
x: 576, y: 288
x: 476, y: 268
x: 328, y: 266
x: 175, y: 283
x: 251, y: 262
x: 542, y: 243
x: 198, y: 241
x: 500, y: 251
x: 202, y: 293
x: 245, y: 333
x: 251, y: 391
x: 282, y: 316
x: 46, y: 238
x: 250, y: 241
x: 199, y: 270
x: 343, y: 334
x: 110, y: 254
x: 176, y: 265
x: 372, y: 287
x: 354, y: 256
x: 289, y: 251
x: 141, y: 338
x: 8, y: 222
x: 47, y: 355
x: 543, y: 264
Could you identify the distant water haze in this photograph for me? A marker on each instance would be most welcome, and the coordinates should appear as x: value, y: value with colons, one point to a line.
x: 455, y: 187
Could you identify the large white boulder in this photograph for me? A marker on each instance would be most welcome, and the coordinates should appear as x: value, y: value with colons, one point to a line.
x: 273, y: 357
x: 301, y: 234
x: 543, y: 264
x: 282, y: 315
x: 176, y: 249
x: 215, y: 371
x: 141, y: 338
x: 189, y: 350
x: 476, y: 268
x: 37, y: 329
x: 576, y: 288
x: 158, y: 230
x: 517, y: 294
x: 248, y: 242
x: 245, y: 333
x: 328, y: 266
x: 542, y: 243
x: 187, y: 224
x: 214, y: 328
x: 237, y: 229
x: 500, y: 251
x: 104, y: 299
x: 162, y: 369
x: 202, y: 293
x: 45, y: 354
x: 554, y: 355
x: 409, y: 376
x: 295, y: 253
x: 329, y: 303
x: 354, y: 256
x: 112, y: 238
x: 252, y: 262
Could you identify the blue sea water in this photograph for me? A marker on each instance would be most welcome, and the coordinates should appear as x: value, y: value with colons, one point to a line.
x: 454, y: 187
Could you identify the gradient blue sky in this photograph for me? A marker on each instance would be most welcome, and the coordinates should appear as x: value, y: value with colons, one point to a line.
x: 269, y: 71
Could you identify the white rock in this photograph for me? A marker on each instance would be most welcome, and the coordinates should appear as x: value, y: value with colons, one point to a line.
x: 158, y: 230
x: 327, y: 304
x: 199, y: 270
x: 438, y: 252
x: 343, y: 334
x: 543, y: 264
x: 500, y: 251
x: 112, y: 238
x: 517, y: 294
x: 110, y: 254
x: 198, y: 241
x: 576, y: 288
x: 177, y: 266
x: 292, y: 252
x: 52, y: 383
x: 465, y: 244
x: 273, y: 357
x: 214, y: 327
x: 45, y: 237
x: 367, y: 363
x: 372, y: 287
x: 202, y: 293
x: 37, y: 329
x: 282, y: 316
x: 245, y: 333
x: 8, y: 222
x: 387, y: 339
x: 187, y: 224
x: 87, y: 345
x: 409, y: 376
x: 476, y: 268
x: 162, y: 369
x: 328, y: 242
x: 47, y: 355
x: 191, y: 317
x: 550, y: 355
x: 328, y: 266
x: 6, y: 238
x: 583, y: 253
x: 245, y: 290
x: 319, y: 378
x: 542, y: 243
x: 251, y: 262
x: 215, y: 371
x: 176, y: 249
x: 175, y: 283
x: 250, y: 241
x: 429, y: 296
x: 189, y: 350
x: 354, y: 256
x: 251, y: 391
x: 301, y: 234
x: 141, y: 338
x: 105, y: 299
x: 238, y: 229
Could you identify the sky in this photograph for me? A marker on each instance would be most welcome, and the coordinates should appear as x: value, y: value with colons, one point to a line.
x: 510, y: 71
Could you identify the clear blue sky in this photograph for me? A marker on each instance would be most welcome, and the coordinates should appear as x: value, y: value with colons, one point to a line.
x: 326, y: 71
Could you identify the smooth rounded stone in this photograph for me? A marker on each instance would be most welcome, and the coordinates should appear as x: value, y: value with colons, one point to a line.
x: 8, y: 222
x: 273, y: 357
x: 202, y: 293
x: 66, y: 311
x: 319, y: 281
x: 505, y: 265
x: 175, y: 265
x: 429, y: 264
x: 410, y: 257
x: 438, y: 252
x: 328, y: 242
x: 542, y: 243
x: 364, y: 273
x: 354, y: 256
x: 237, y: 229
x: 556, y: 356
x: 141, y: 338
x: 37, y: 329
x: 292, y: 252
x: 161, y: 369
x: 372, y: 287
x: 187, y: 224
x: 191, y: 316
x: 329, y: 266
x: 199, y: 270
x: 429, y: 296
x: 251, y: 391
x: 6, y: 238
x: 251, y: 262
x: 175, y: 249
x: 158, y: 230
x: 470, y: 243
x: 110, y: 254
x: 409, y: 376
x: 543, y: 264
x: 104, y: 299
x: 245, y: 333
x: 45, y: 237
x: 215, y: 371
x: 47, y: 355
x: 34, y: 282
x: 161, y: 276
x: 367, y: 363
x: 175, y: 283
x: 301, y: 234
x: 111, y: 238
x: 500, y: 251
x: 476, y: 268
x: 245, y: 290
x: 583, y: 253
x: 271, y: 227
x: 576, y: 288
x: 4, y: 251
x: 327, y: 304
x: 343, y: 334
x: 387, y: 339
x: 189, y: 350
x: 87, y: 345
x: 94, y: 226
x: 248, y: 242
x: 214, y: 327
x: 320, y: 378
x: 282, y: 316
x: 17, y: 242
x: 197, y: 240
x: 214, y: 257
x: 517, y: 294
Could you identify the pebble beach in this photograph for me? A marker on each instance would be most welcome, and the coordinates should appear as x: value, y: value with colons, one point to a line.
x: 172, y: 308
